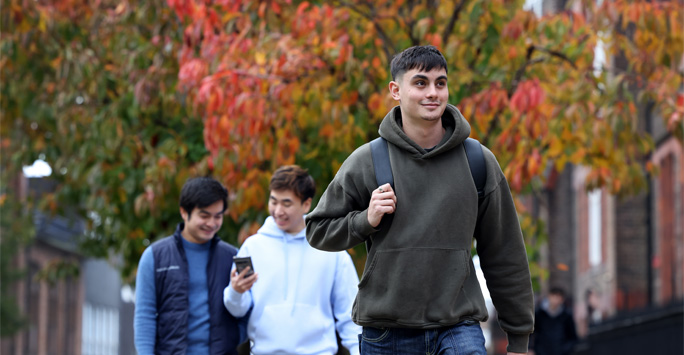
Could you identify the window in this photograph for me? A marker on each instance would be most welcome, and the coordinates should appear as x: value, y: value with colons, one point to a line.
x: 594, y: 227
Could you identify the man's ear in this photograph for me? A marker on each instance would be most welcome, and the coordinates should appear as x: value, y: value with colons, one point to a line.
x: 307, y: 204
x: 394, y: 90
x: 184, y: 214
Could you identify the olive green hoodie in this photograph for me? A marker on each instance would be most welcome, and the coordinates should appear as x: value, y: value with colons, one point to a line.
x: 419, y: 272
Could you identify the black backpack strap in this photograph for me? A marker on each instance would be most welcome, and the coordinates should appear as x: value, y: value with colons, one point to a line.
x: 478, y: 168
x: 381, y: 162
x: 382, y: 167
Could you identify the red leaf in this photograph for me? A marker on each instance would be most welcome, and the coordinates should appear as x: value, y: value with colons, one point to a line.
x: 301, y: 8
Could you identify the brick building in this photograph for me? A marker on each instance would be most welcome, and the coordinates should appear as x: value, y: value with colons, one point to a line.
x: 628, y: 253
x: 80, y: 314
x: 620, y: 259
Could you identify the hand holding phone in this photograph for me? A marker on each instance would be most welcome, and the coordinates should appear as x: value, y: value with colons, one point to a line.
x: 243, y: 283
x: 242, y: 262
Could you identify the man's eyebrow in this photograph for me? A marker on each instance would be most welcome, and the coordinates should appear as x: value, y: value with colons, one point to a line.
x: 420, y: 76
x: 201, y: 211
x: 283, y: 200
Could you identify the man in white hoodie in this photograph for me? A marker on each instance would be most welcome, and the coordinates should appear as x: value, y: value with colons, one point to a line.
x: 299, y: 295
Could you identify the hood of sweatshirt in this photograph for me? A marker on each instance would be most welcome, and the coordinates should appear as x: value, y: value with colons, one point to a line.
x: 456, y: 126
x: 270, y: 229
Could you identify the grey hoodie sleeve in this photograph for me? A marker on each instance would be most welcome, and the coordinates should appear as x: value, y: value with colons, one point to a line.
x: 340, y: 220
x: 501, y: 248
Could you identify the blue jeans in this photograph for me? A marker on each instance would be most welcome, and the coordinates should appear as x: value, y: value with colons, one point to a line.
x: 460, y: 339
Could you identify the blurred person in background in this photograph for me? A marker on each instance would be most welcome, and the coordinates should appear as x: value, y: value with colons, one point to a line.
x: 181, y: 278
x: 299, y: 296
x: 554, y: 331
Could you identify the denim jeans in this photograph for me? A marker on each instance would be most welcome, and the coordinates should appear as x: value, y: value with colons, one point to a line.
x: 460, y: 339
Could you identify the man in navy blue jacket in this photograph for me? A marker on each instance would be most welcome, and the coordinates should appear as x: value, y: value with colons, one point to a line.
x: 180, y: 281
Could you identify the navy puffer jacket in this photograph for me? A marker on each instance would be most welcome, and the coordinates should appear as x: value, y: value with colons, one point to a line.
x: 172, y: 296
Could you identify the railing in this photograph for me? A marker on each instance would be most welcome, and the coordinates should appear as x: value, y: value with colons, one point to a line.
x: 649, y: 331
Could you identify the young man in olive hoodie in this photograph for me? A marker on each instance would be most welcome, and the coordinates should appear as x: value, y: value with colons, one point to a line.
x: 419, y: 292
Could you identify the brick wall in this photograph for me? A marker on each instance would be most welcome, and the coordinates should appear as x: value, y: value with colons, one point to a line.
x: 561, y: 229
x: 668, y: 244
x: 632, y: 261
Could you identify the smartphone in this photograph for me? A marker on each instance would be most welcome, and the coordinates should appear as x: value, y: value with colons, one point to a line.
x: 242, y: 263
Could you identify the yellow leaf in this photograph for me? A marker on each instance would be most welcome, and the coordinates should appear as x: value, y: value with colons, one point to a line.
x: 42, y: 22
x: 309, y: 156
x: 555, y: 148
x: 229, y: 16
x: 560, y: 162
x: 260, y: 58
x: 566, y: 135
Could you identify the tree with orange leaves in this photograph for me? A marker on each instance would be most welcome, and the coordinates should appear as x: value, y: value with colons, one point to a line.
x: 125, y: 101
x: 304, y: 82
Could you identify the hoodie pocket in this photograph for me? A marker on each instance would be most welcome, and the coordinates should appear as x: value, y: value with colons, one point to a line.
x: 299, y: 328
x: 413, y: 286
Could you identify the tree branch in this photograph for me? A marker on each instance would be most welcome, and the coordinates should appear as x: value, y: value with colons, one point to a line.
x: 556, y: 54
x: 452, y: 22
x: 389, y: 46
x: 530, y: 50
x: 409, y: 21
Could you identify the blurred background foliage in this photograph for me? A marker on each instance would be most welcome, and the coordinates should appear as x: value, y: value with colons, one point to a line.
x: 126, y: 100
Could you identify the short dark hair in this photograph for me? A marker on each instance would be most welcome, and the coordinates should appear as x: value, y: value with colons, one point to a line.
x: 294, y: 178
x: 557, y: 291
x: 423, y: 58
x: 202, y: 192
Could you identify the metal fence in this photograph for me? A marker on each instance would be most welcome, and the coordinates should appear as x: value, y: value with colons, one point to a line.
x: 651, y: 331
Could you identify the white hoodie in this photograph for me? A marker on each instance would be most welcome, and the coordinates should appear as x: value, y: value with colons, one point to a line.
x: 299, y: 294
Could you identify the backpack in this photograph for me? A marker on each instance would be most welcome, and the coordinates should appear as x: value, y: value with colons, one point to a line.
x: 473, y: 148
x: 383, y: 169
